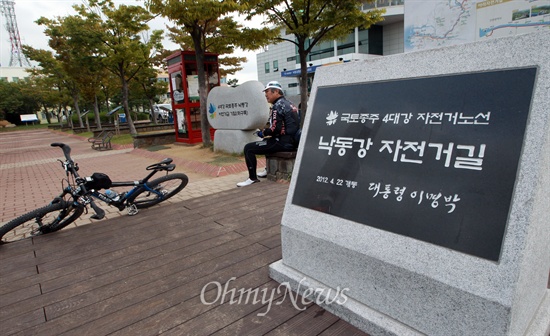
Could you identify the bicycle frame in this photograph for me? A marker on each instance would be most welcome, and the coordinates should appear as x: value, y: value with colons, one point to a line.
x: 81, y: 196
x: 120, y: 204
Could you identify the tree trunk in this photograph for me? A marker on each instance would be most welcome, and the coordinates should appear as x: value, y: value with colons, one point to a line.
x: 87, y: 124
x: 151, y: 103
x: 303, y: 86
x: 69, y: 119
x: 203, y: 91
x: 77, y: 108
x: 47, y: 113
x: 96, y: 113
x: 126, y: 108
x: 59, y: 114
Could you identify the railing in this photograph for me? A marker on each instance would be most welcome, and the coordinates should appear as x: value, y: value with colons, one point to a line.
x: 383, y: 3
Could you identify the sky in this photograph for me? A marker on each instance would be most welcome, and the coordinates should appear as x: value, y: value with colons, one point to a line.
x: 28, y: 11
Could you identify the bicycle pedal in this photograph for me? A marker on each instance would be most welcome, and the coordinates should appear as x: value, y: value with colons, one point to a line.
x: 132, y: 210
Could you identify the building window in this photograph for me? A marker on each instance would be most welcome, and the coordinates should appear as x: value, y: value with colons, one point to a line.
x: 291, y: 85
x: 275, y: 66
x: 290, y: 59
x: 321, y: 50
x: 347, y: 45
x: 363, y: 41
x: 4, y: 79
x: 15, y: 79
x: 266, y: 65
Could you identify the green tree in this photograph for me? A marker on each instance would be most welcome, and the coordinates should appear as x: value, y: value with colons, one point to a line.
x: 311, y: 22
x: 85, y: 61
x: 46, y: 91
x: 150, y: 87
x: 15, y: 100
x: 11, y: 100
x: 123, y: 51
x: 57, y: 66
x: 205, y: 26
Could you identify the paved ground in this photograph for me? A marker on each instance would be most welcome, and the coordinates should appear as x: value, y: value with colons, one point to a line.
x: 31, y: 176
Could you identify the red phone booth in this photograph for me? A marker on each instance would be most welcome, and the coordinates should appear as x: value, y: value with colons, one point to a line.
x: 184, y: 90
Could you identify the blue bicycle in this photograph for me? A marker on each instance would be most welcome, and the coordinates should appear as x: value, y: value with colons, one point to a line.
x: 79, y: 193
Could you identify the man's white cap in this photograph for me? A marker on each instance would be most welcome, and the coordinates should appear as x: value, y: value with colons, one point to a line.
x: 273, y: 85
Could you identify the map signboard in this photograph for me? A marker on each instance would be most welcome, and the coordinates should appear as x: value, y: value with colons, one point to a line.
x: 432, y: 24
x: 507, y: 17
x: 433, y: 159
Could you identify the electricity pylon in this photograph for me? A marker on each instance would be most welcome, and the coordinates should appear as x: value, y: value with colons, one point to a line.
x: 17, y: 57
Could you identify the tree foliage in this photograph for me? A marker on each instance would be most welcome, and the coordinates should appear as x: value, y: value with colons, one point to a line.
x: 122, y: 46
x: 311, y: 22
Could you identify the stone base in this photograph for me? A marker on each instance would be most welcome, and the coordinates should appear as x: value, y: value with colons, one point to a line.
x: 352, y: 311
x: 233, y: 141
x: 154, y: 139
x: 280, y: 165
x: 375, y: 322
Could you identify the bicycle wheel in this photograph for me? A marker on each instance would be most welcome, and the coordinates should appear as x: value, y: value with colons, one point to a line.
x: 48, y: 219
x: 167, y: 186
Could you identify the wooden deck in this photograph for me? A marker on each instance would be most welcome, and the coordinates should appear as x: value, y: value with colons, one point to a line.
x: 146, y: 274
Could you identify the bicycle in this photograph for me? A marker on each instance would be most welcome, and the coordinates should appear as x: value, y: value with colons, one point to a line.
x: 79, y: 192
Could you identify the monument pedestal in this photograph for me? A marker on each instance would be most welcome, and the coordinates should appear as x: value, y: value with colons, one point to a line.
x: 233, y: 141
x: 450, y: 238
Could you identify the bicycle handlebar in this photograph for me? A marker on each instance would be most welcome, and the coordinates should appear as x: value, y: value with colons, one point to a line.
x: 70, y: 166
x: 66, y: 149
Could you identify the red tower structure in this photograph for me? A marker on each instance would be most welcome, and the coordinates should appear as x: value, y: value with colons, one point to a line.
x: 17, y: 59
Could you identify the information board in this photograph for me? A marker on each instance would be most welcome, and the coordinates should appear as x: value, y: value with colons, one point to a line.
x: 433, y: 158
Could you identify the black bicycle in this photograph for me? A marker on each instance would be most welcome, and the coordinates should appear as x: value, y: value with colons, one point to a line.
x: 79, y: 192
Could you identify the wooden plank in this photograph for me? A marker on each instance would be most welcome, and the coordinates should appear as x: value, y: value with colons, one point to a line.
x: 271, y: 242
x: 182, y: 270
x: 312, y: 321
x: 193, y: 317
x: 60, y: 245
x: 120, y: 249
x: 154, y: 301
x: 11, y: 250
x: 21, y: 322
x: 94, y: 289
x: 259, y: 222
x: 257, y: 324
x: 11, y: 264
x: 23, y: 277
x: 134, y: 260
x: 19, y: 295
x: 342, y: 328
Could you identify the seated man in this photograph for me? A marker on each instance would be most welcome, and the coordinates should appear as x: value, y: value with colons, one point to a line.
x: 278, y: 137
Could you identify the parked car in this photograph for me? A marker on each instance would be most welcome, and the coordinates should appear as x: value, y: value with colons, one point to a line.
x: 161, y: 113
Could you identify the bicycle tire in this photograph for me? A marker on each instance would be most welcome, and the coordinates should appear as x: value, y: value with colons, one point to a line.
x: 143, y: 198
x: 61, y: 213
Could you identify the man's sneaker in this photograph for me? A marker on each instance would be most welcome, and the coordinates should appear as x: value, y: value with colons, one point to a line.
x: 263, y: 173
x: 247, y: 183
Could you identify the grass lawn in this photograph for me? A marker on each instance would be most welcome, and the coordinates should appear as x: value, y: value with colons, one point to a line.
x: 122, y: 139
x: 23, y: 128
